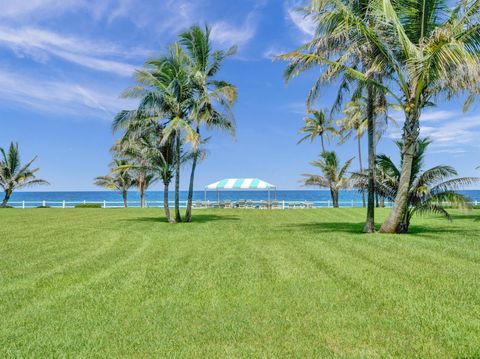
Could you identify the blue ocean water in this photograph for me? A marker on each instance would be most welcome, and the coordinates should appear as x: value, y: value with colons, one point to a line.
x: 37, y: 198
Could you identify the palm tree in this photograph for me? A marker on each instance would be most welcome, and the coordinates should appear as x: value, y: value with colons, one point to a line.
x: 334, y: 175
x: 14, y: 175
x: 355, y: 123
x: 166, y: 88
x: 319, y: 125
x: 142, y: 137
x: 430, y: 50
x: 338, y: 44
x: 428, y: 190
x: 119, y: 179
x: 214, y: 98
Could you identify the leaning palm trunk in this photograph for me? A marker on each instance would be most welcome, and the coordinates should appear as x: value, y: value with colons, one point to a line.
x: 141, y: 189
x: 334, y: 194
x: 410, y: 134
x: 178, y: 160
x: 370, y: 222
x: 6, y: 199
x: 188, y: 214
x: 166, y: 207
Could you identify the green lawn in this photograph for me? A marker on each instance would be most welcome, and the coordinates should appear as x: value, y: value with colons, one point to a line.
x: 236, y: 283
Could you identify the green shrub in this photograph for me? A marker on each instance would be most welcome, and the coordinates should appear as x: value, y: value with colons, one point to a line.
x: 44, y: 207
x: 89, y: 205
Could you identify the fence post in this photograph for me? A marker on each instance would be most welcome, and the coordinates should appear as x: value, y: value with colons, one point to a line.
x: 63, y: 204
x: 44, y: 204
x: 104, y: 204
x: 84, y: 201
x: 283, y: 204
x: 352, y: 202
x: 23, y: 204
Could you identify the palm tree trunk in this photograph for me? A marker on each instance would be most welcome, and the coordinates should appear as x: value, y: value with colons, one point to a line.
x: 188, y: 213
x: 166, y: 207
x: 142, y: 193
x: 411, y: 130
x: 334, y: 195
x: 124, y: 196
x: 323, y: 143
x: 370, y: 222
x: 382, y: 201
x: 6, y: 199
x: 178, y: 217
x: 359, y: 144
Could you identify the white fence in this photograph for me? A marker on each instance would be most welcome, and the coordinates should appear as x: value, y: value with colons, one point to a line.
x: 200, y: 204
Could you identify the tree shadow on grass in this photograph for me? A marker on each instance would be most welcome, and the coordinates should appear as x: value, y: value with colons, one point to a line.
x: 357, y: 228
x: 196, y: 218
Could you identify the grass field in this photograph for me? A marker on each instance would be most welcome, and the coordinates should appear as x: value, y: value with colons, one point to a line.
x: 236, y: 283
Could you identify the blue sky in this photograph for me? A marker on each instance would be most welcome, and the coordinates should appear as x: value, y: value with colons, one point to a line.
x: 63, y: 64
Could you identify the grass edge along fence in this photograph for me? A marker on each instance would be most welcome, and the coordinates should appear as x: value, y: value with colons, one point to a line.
x: 240, y: 204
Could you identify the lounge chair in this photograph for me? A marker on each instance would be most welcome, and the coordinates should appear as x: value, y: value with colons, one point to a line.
x: 263, y: 205
x: 275, y: 205
x: 241, y: 203
x: 249, y: 204
x: 228, y: 204
x: 221, y: 204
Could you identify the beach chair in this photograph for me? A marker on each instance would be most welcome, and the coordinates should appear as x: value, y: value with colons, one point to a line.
x: 221, y: 204
x: 241, y: 203
x: 275, y: 205
x: 308, y: 204
x: 228, y: 204
x: 249, y: 204
x: 263, y: 205
x: 198, y: 204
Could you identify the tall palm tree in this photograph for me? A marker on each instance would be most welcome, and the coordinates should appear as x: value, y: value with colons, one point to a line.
x: 319, y: 125
x: 428, y: 189
x: 336, y: 42
x: 166, y: 88
x: 431, y: 49
x: 14, y: 175
x: 119, y: 179
x: 334, y: 175
x: 214, y: 98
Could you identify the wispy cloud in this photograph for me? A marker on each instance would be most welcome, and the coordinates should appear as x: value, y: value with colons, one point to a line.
x: 59, y: 96
x: 273, y: 51
x: 226, y: 34
x: 302, y: 23
x: 40, y: 44
x: 451, y: 131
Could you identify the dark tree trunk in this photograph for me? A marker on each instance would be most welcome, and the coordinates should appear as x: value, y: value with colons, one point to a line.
x: 166, y: 206
x: 359, y: 144
x: 124, y: 196
x: 334, y: 194
x: 382, y: 201
x: 142, y: 193
x: 188, y: 213
x: 178, y: 217
x: 411, y: 130
x: 6, y: 199
x: 370, y: 222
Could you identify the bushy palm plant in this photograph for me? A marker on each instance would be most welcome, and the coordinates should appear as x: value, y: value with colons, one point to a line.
x: 14, y: 175
x: 429, y: 190
x: 334, y: 175
x: 120, y: 179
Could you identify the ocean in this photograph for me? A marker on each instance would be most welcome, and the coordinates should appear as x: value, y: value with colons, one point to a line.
x: 154, y: 198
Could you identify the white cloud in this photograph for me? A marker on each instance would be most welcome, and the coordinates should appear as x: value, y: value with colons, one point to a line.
x: 226, y: 34
x: 273, y: 51
x: 304, y: 24
x: 40, y: 44
x: 59, y: 97
x: 450, y: 131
